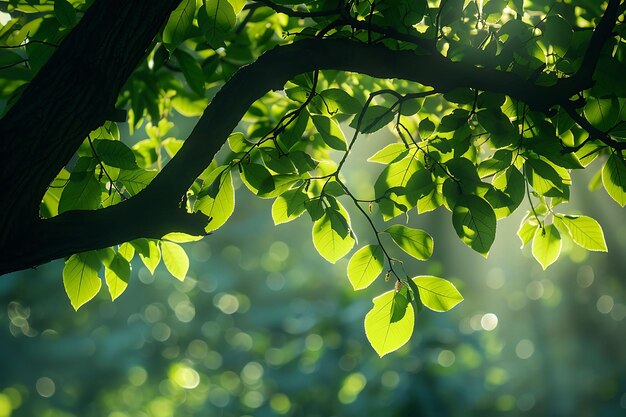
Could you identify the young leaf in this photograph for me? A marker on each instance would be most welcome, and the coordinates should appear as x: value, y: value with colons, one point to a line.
x: 149, y: 252
x: 475, y: 222
x: 127, y: 251
x: 330, y: 131
x: 586, y: 232
x: 80, y: 278
x: 177, y: 26
x: 436, y: 293
x: 526, y: 230
x: 547, y: 245
x: 614, y: 178
x: 116, y: 275
x: 289, y: 206
x: 175, y: 259
x: 219, y: 206
x: 332, y: 236
x: 390, y: 153
x: 384, y: 330
x: 365, y: 266
x: 415, y: 242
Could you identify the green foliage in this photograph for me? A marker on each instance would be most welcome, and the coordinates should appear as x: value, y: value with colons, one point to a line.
x: 389, y: 324
x: 473, y: 152
x: 80, y: 278
x: 365, y: 266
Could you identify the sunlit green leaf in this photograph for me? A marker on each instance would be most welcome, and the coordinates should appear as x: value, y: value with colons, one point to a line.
x: 475, y: 223
x: 586, y: 232
x: 80, y: 278
x: 149, y: 252
x: 614, y: 178
x: 220, y: 205
x: 175, y: 259
x: 365, y: 266
x: 436, y: 293
x: 289, y: 206
x: 178, y: 24
x: 384, y: 334
x: 415, y: 242
x: 547, y: 245
x: 116, y: 275
x: 332, y: 236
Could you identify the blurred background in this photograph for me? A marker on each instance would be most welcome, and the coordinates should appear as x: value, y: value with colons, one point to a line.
x: 263, y: 326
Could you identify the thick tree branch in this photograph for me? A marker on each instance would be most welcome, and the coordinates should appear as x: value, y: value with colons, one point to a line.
x: 154, y: 212
x: 69, y: 97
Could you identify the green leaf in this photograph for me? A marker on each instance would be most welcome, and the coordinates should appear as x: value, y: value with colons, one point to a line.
x: 80, y: 278
x: 390, y: 153
x: 82, y: 192
x: 330, y: 131
x: 436, y: 293
x: 338, y: 100
x: 65, y: 13
x: 289, y: 206
x: 365, y: 266
x: 558, y: 33
x: 136, y: 180
x: 502, y: 132
x: 127, y: 251
x: 614, y: 178
x: 415, y: 242
x: 332, y: 237
x: 527, y: 230
x: 257, y: 178
x: 547, y: 245
x: 191, y: 71
x: 475, y: 223
x: 237, y: 5
x: 114, y: 153
x: 178, y: 24
x: 292, y: 134
x: 175, y: 259
x: 178, y: 237
x: 544, y: 179
x: 586, y: 232
x: 149, y: 252
x: 384, y: 334
x: 374, y: 119
x: 221, y: 205
x: 220, y: 19
x: 116, y: 275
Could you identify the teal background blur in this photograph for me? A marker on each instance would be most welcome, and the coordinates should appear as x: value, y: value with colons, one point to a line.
x: 264, y: 326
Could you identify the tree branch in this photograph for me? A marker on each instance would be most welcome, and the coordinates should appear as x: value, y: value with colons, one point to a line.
x: 70, y: 96
x: 154, y: 211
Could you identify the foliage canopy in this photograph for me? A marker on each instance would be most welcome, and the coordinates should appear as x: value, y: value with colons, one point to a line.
x: 491, y: 103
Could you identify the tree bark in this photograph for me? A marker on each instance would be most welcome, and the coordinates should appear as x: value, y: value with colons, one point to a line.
x: 71, y: 96
x: 40, y: 149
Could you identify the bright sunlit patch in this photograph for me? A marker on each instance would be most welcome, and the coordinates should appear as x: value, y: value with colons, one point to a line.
x: 228, y: 303
x: 605, y: 304
x: 45, y: 387
x: 489, y: 322
x: 524, y: 349
x: 446, y: 358
x: 184, y: 376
